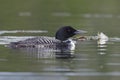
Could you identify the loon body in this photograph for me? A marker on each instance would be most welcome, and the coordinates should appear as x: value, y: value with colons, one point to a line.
x: 61, y: 40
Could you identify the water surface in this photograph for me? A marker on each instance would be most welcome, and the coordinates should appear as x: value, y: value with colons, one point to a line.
x: 89, y: 60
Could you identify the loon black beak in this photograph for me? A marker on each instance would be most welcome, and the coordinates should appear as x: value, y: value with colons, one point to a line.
x: 80, y: 32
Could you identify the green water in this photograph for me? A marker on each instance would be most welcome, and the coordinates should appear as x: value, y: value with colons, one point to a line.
x: 90, y: 61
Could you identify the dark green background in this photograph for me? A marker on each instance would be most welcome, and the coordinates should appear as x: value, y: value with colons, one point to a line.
x: 51, y: 14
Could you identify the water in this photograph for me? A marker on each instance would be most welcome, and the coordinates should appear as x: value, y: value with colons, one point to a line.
x: 89, y: 61
x: 24, y: 19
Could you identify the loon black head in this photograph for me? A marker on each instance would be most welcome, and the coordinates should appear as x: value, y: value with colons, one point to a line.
x: 66, y: 32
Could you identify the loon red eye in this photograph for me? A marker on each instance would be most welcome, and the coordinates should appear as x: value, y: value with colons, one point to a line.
x: 68, y: 30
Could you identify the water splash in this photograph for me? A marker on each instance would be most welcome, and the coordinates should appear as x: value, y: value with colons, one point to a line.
x: 102, y: 38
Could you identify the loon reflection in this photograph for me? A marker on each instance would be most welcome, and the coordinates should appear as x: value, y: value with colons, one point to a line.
x: 46, y: 53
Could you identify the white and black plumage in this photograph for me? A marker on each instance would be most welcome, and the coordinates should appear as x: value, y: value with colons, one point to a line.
x: 61, y: 39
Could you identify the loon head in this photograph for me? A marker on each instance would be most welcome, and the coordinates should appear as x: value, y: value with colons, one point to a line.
x: 66, y: 32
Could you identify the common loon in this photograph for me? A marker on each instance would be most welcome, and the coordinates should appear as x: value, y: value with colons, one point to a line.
x: 61, y: 40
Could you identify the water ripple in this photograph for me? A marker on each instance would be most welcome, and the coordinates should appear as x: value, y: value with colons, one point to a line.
x: 59, y: 74
x: 113, y: 64
x: 22, y: 31
x: 8, y: 39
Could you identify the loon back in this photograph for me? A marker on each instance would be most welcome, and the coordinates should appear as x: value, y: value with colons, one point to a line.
x: 34, y: 42
x: 44, y: 43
